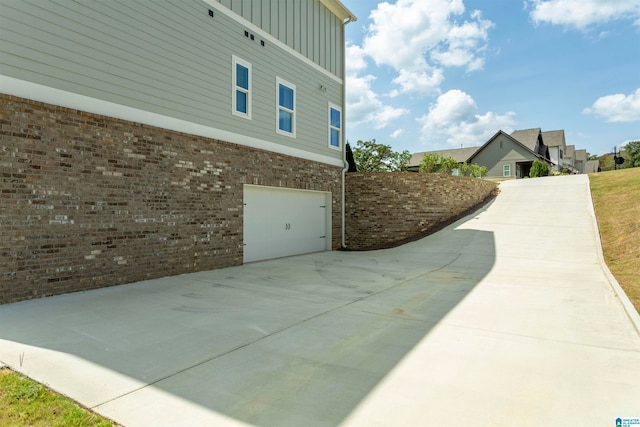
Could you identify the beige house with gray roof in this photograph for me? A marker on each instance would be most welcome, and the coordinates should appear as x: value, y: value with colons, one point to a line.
x: 580, y: 161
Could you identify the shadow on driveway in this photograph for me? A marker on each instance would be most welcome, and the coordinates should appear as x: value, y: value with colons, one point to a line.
x: 296, y: 341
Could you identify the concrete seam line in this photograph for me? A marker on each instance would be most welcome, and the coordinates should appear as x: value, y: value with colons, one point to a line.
x: 615, y: 286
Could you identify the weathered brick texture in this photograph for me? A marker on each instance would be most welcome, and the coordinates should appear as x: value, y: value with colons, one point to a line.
x: 89, y: 201
x: 386, y: 209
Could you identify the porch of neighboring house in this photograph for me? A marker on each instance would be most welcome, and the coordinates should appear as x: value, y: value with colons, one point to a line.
x: 523, y: 169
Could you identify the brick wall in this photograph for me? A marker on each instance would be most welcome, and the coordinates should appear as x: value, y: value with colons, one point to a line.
x: 89, y: 201
x: 387, y: 209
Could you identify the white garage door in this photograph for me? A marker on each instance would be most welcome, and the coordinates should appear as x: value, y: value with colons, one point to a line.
x: 282, y: 222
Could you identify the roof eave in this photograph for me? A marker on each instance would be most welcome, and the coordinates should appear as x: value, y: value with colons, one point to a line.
x: 340, y: 10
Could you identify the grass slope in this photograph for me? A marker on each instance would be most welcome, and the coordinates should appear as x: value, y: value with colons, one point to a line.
x: 616, y: 199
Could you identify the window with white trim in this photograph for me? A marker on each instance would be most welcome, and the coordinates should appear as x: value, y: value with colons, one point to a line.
x: 335, y: 126
x: 241, y: 88
x: 506, y: 170
x: 286, y: 108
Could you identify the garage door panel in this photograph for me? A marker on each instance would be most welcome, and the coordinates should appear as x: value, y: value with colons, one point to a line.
x: 280, y: 222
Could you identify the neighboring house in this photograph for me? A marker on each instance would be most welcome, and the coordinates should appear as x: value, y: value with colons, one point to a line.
x: 570, y: 155
x: 581, y: 161
x: 242, y: 101
x: 592, y: 166
x: 504, y: 156
x: 532, y: 139
x: 560, y: 154
x: 511, y: 156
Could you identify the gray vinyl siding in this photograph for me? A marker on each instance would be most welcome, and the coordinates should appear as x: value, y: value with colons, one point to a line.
x: 165, y: 57
x: 494, y: 157
x: 306, y: 26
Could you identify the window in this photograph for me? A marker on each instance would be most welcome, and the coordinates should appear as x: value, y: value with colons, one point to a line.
x: 335, y: 126
x: 241, y: 88
x: 286, y: 113
x: 506, y: 170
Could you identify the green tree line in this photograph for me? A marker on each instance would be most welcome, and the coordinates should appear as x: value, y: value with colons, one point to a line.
x: 370, y: 156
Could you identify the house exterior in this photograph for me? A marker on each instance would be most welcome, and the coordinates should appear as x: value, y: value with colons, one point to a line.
x: 569, y: 156
x: 557, y: 145
x: 592, y: 166
x: 581, y: 161
x: 511, y: 156
x: 143, y: 139
x: 533, y: 140
x: 504, y: 156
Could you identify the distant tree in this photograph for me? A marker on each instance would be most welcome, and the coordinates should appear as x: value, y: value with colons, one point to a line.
x: 430, y: 163
x: 350, y: 160
x: 477, y: 171
x: 632, y: 154
x: 434, y: 163
x: 464, y: 169
x: 401, y: 161
x: 447, y: 164
x: 592, y: 156
x: 373, y: 157
x: 539, y: 168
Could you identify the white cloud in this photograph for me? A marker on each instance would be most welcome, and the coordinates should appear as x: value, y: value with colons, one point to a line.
x: 417, y: 82
x: 356, y: 59
x: 418, y: 38
x: 363, y: 104
x: 396, y: 133
x: 454, y: 120
x: 584, y: 13
x: 617, y: 108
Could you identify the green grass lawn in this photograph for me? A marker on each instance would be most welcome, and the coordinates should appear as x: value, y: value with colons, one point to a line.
x: 24, y: 402
x: 616, y: 198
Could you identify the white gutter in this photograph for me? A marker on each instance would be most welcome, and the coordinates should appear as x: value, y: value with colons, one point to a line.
x: 343, y: 243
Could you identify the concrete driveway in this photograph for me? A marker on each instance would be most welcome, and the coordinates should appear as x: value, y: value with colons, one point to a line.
x: 507, y: 317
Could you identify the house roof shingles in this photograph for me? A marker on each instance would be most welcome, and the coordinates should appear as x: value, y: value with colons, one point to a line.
x: 527, y: 137
x: 554, y: 138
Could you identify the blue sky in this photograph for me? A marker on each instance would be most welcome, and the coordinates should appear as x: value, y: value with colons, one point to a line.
x: 435, y: 74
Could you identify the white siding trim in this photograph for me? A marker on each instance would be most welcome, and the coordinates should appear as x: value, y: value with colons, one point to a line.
x: 49, y: 95
x: 270, y: 39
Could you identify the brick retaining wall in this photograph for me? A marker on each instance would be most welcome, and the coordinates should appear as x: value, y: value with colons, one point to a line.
x: 387, y: 209
x: 89, y: 201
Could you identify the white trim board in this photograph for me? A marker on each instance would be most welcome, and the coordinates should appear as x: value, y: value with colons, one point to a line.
x: 49, y: 95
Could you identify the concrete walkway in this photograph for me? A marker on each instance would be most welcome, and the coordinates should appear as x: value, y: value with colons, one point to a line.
x: 505, y: 318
